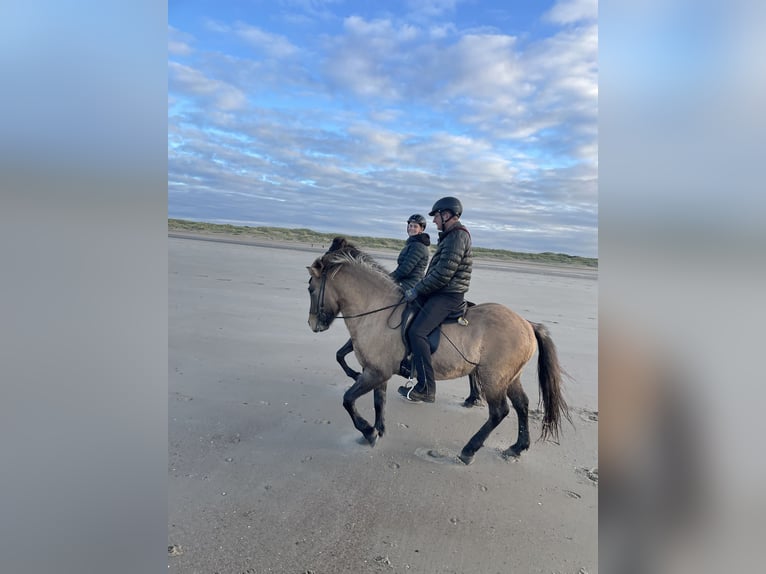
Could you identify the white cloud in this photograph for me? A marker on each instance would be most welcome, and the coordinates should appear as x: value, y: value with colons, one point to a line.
x: 274, y: 45
x: 572, y: 11
x: 404, y: 111
x: 187, y: 80
x: 488, y: 82
x: 427, y: 9
x: 381, y: 32
x: 310, y: 9
x: 178, y: 42
x: 379, y: 145
x: 441, y: 31
x: 564, y: 70
x: 483, y: 66
x: 372, y: 58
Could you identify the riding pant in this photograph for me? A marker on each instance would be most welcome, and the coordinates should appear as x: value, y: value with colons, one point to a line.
x: 433, y: 311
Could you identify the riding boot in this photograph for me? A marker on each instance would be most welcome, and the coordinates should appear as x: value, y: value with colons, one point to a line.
x: 425, y: 390
x: 407, y: 365
x: 426, y: 395
x: 404, y: 390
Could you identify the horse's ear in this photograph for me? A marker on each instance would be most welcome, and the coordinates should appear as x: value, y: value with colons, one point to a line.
x: 314, y: 270
x: 337, y: 244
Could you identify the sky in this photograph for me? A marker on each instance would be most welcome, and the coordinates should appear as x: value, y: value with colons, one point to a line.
x: 347, y: 117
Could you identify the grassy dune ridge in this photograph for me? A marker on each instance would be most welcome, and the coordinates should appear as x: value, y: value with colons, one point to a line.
x: 309, y: 236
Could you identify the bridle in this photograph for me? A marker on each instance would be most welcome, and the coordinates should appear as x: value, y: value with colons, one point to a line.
x: 317, y: 306
x: 323, y: 317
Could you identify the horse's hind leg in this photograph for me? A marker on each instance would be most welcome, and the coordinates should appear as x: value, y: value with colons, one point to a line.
x: 340, y: 356
x: 365, y: 382
x: 520, y: 403
x: 380, y: 406
x: 474, y: 396
x: 498, y: 410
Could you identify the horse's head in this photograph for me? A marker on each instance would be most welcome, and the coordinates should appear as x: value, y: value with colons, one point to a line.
x: 329, y: 289
x: 324, y: 305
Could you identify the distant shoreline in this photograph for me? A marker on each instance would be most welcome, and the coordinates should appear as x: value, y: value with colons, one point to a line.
x: 566, y: 270
x: 274, y: 236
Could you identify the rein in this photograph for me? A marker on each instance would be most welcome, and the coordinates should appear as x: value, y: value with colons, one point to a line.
x: 321, y: 314
x: 373, y: 311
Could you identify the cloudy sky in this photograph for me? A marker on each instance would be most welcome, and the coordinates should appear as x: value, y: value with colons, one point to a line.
x: 347, y: 116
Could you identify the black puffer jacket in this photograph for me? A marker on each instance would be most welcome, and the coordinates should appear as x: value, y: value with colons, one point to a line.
x: 412, y: 261
x: 451, y: 265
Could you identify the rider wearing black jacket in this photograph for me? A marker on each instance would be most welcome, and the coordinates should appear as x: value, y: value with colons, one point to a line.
x: 413, y: 259
x: 439, y: 293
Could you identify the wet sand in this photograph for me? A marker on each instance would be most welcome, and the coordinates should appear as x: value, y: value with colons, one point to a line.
x: 267, y: 473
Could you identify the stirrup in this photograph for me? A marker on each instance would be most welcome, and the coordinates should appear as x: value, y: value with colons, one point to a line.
x: 409, y: 385
x: 411, y: 389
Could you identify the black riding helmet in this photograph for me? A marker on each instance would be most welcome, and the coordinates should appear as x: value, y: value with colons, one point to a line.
x: 447, y: 204
x: 417, y: 218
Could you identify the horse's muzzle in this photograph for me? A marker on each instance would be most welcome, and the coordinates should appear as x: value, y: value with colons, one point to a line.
x: 317, y: 326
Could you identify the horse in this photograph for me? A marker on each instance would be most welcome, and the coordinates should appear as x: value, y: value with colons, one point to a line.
x: 494, y: 348
x: 474, y: 392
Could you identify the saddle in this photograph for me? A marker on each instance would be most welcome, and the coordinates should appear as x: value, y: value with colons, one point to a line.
x: 409, y: 313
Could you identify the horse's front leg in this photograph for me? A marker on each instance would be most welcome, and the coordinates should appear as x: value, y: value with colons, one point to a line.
x: 340, y: 356
x: 369, y: 380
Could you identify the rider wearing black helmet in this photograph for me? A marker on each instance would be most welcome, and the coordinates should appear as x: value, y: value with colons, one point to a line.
x: 439, y: 293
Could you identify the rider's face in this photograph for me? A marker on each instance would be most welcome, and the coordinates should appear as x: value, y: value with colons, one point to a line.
x: 413, y: 228
x: 440, y: 220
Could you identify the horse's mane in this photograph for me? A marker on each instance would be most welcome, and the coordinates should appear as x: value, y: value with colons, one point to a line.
x: 342, y: 251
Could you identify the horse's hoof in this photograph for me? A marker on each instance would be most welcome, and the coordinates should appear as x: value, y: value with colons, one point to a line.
x: 465, y: 458
x: 512, y: 452
x: 372, y: 438
x: 472, y: 402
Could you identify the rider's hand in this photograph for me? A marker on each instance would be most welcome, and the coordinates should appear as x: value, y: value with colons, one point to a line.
x: 410, y: 295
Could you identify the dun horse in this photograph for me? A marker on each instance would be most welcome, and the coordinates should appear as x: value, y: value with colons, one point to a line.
x: 493, y: 348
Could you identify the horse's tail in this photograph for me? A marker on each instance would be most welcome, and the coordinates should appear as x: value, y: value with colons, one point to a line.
x: 549, y: 375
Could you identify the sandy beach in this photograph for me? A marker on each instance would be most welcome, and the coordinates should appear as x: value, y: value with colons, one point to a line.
x: 267, y: 473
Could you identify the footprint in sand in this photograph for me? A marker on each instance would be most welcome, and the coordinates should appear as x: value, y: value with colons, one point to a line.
x: 175, y: 550
x: 589, y: 473
x: 437, y: 455
x: 588, y: 416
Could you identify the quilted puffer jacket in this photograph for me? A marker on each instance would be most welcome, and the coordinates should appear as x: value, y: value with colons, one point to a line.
x: 450, y: 268
x: 412, y: 261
